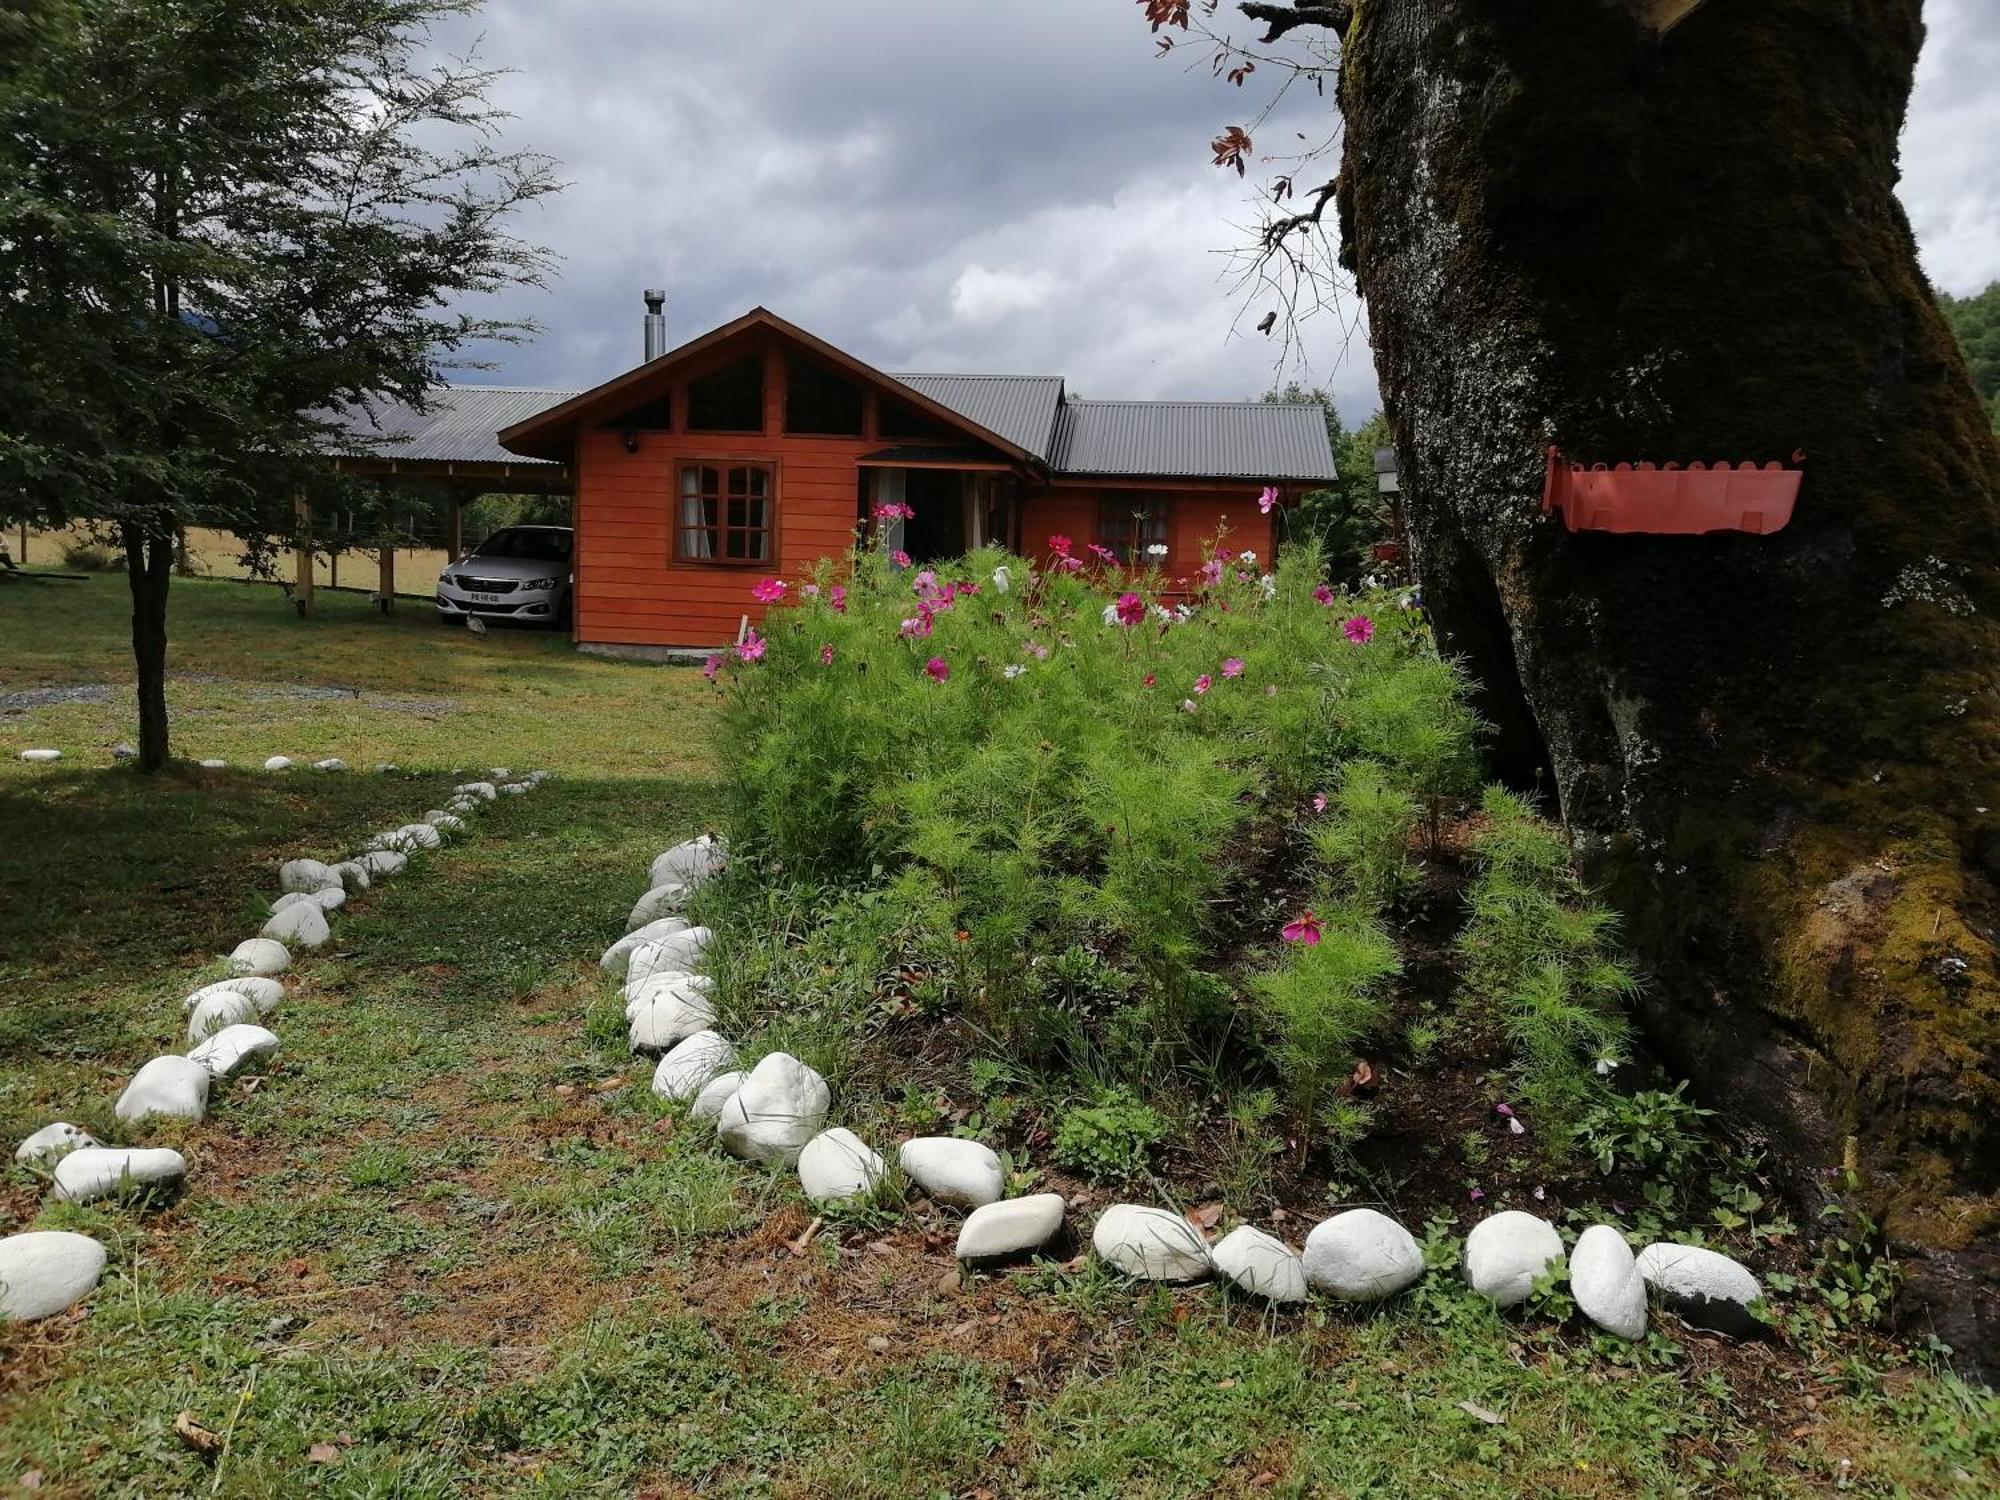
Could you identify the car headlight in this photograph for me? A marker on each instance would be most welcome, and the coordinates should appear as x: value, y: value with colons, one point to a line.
x: 538, y: 583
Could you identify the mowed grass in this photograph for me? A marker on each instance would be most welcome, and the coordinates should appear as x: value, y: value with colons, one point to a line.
x: 249, y: 678
x: 451, y: 1244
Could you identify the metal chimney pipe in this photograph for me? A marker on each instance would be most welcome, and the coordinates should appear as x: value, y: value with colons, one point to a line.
x: 656, y: 324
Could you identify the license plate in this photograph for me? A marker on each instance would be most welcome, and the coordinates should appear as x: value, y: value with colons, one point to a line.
x: 484, y: 598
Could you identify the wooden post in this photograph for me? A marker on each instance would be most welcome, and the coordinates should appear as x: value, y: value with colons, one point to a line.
x: 302, y: 552
x: 385, y: 587
x: 454, y: 525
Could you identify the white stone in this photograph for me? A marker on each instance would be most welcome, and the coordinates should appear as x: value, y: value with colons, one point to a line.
x: 266, y: 992
x: 301, y: 926
x: 165, y: 1086
x: 353, y: 875
x: 1150, y: 1243
x: 51, y: 1144
x: 45, y: 1271
x: 213, y: 765
x: 330, y: 899
x: 382, y: 863
x: 780, y: 1107
x: 1506, y: 1252
x: 1704, y: 1287
x: 618, y: 957
x: 692, y: 1063
x: 536, y: 778
x: 498, y: 773
x: 715, y: 1093
x: 221, y: 1008
x: 649, y: 961
x: 483, y: 790
x: 965, y: 1173
x: 681, y: 950
x: 384, y: 768
x: 418, y: 836
x: 1605, y: 1281
x: 1362, y: 1255
x: 234, y: 1047
x: 1010, y: 1227
x: 640, y: 992
x: 306, y: 875
x: 290, y: 898
x: 515, y: 789
x: 331, y: 763
x: 259, y: 956
x: 448, y: 824
x: 660, y: 901
x: 690, y: 862
x: 837, y: 1164
x: 1262, y: 1264
x: 278, y: 763
x: 667, y: 1009
x: 41, y: 755
x: 113, y: 1171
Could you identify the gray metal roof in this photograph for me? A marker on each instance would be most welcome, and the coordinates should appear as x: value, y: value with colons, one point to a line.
x: 1019, y: 408
x: 459, y: 427
x: 1219, y: 439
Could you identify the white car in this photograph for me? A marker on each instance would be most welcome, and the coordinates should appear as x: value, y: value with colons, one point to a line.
x: 518, y: 573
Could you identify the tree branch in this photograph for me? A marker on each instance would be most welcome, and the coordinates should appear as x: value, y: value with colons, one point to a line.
x: 1283, y: 18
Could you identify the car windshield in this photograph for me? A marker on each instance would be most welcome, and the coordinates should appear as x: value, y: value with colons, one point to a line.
x: 536, y: 544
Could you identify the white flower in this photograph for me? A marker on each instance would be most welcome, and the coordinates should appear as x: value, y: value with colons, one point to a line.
x: 1001, y: 581
x: 1012, y: 670
x: 1156, y: 549
x: 1269, y: 584
x: 1187, y: 705
x: 1183, y: 612
x: 1247, y: 557
x: 1111, y: 614
x: 1160, y: 612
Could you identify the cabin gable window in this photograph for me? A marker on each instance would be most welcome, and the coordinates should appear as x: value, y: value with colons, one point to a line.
x: 730, y: 399
x: 727, y: 513
x: 820, y: 403
x: 1129, y: 524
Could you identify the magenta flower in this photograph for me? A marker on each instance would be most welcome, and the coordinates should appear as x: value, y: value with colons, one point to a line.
x: 966, y: 586
x: 938, y: 669
x: 1211, y: 571
x: 1476, y: 1194
x: 900, y: 558
x: 1203, y: 683
x: 926, y: 579
x: 1359, y: 630
x: 837, y: 597
x: 1059, y: 544
x: 1070, y: 564
x: 750, y: 648
x: 1322, y: 595
x: 1131, y: 609
x: 1104, y: 552
x: 919, y: 627
x: 1303, y: 928
x: 1149, y: 680
x: 826, y: 655
x: 768, y: 590
x: 1514, y: 1125
x: 1233, y: 667
x: 895, y: 511
x: 712, y: 666
x: 1268, y: 499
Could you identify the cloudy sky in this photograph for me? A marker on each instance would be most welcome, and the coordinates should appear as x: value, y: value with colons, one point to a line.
x: 1017, y: 187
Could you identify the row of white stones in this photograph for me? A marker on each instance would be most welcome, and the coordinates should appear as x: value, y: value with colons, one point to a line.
x: 42, y: 1272
x: 274, y: 763
x: 776, y: 1113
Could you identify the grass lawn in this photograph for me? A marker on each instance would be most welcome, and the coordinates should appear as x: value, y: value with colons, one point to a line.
x: 454, y: 1245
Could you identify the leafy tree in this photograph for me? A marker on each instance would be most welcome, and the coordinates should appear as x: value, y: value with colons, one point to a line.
x: 1976, y: 322
x: 1347, y: 518
x: 223, y: 222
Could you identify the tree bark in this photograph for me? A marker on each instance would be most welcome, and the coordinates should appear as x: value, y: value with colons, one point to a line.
x: 1777, y: 753
x: 149, y: 568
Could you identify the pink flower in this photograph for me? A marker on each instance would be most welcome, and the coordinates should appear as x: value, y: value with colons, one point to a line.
x: 926, y: 579
x: 1319, y: 802
x: 938, y: 669
x: 809, y: 590
x: 1303, y: 929
x: 826, y: 655
x: 712, y: 666
x: 1203, y: 683
x: 965, y: 586
x: 1233, y: 667
x: 1104, y: 552
x: 1131, y: 609
x: 900, y: 558
x: 1211, y: 571
x: 768, y: 590
x: 750, y: 648
x: 1070, y: 564
x: 894, y: 511
x: 1322, y: 595
x: 1359, y: 630
x: 1059, y: 544
x: 1476, y: 1194
x: 1037, y: 650
x: 919, y: 626
x: 837, y: 597
x: 1187, y: 705
x: 1268, y: 499
x: 1149, y: 680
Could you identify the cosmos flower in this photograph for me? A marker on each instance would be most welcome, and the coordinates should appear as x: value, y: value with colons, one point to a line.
x: 750, y: 648
x: 1233, y: 667
x: 1131, y: 609
x: 1360, y: 629
x: 1203, y: 683
x: 1104, y: 552
x: 1322, y: 595
x: 937, y: 669
x: 1303, y: 928
x: 768, y: 590
x: 712, y: 666
x: 826, y: 655
x: 1012, y: 670
x: 1156, y: 549
x: 1268, y: 499
x: 900, y: 558
x: 837, y: 597
x: 1319, y: 802
x: 1001, y: 582
x: 1059, y: 544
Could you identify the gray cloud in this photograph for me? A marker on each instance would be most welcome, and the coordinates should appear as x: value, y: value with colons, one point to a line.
x: 950, y: 185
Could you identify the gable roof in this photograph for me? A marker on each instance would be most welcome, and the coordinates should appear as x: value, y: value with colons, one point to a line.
x: 1213, y: 439
x: 541, y: 433
x: 1019, y: 407
x: 459, y: 426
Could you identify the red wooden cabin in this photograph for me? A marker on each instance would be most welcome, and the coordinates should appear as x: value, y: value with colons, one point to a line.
x: 757, y: 449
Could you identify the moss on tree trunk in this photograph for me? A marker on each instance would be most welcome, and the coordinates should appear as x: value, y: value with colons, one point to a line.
x: 1779, y: 752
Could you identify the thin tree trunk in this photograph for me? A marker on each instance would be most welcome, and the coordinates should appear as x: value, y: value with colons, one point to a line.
x: 1781, y: 754
x: 149, y: 568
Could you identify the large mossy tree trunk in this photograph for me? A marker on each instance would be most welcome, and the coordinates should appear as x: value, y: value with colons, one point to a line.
x: 1778, y: 753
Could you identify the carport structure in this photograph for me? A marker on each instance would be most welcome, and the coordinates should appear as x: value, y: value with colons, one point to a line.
x: 449, y: 449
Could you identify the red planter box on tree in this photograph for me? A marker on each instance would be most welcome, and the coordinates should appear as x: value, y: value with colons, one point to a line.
x: 1671, y: 501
